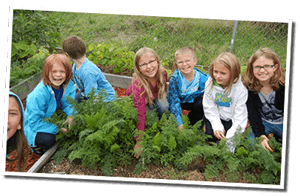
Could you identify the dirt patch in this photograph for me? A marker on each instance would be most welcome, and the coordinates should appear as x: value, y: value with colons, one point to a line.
x: 153, y: 172
x: 195, y: 171
x: 109, y: 69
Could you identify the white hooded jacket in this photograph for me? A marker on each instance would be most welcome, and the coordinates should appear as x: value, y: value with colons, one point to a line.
x: 233, y: 107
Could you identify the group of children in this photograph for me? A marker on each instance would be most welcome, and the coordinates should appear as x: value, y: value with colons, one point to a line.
x: 223, y: 99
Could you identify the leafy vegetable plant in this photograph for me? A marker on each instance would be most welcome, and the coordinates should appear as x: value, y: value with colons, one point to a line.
x: 106, y: 54
x: 21, y: 70
x: 102, y: 134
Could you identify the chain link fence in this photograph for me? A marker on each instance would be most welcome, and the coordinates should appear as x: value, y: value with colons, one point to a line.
x: 208, y: 37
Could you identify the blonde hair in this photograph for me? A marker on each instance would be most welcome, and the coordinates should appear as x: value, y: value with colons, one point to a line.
x: 185, y: 50
x: 232, y: 64
x: 142, y: 81
x: 252, y: 83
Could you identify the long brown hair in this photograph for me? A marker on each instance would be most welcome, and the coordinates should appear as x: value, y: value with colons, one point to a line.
x: 159, y: 76
x: 252, y: 83
x: 232, y: 64
x: 20, y: 145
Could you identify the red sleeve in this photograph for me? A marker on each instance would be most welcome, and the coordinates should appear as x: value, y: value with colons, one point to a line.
x: 166, y: 76
x: 139, y: 102
x: 129, y: 90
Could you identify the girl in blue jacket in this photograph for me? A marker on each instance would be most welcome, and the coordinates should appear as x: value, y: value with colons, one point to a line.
x: 49, y: 96
x: 16, y: 142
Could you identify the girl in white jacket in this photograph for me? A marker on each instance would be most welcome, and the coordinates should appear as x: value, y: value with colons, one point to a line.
x: 224, y: 100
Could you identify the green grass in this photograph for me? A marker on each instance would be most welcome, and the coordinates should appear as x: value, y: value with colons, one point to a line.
x: 166, y: 34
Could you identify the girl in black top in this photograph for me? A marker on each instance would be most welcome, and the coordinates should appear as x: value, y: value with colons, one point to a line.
x: 265, y: 79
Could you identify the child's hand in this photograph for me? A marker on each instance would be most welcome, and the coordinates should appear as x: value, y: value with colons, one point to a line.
x: 64, y: 130
x: 180, y: 127
x: 265, y: 143
x: 219, y: 134
x: 69, y: 121
x: 138, y: 149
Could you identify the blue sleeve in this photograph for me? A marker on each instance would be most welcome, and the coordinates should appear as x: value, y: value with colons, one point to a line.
x: 174, y: 100
x: 98, y: 81
x: 104, y: 84
x: 203, y: 79
x: 89, y: 81
x: 38, y: 107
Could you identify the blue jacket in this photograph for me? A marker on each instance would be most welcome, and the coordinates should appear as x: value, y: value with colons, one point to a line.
x: 182, y: 91
x: 89, y: 76
x: 41, y: 103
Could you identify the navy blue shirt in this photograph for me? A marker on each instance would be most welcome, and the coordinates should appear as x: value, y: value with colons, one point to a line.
x: 58, y: 95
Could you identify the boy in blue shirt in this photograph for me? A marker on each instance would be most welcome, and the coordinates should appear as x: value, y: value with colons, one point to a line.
x: 85, y: 73
x: 186, y: 87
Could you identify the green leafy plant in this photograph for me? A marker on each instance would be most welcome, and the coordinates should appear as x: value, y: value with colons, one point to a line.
x: 163, y: 143
x: 103, y: 136
x: 102, y: 132
x: 21, y: 50
x: 248, y: 160
x: 36, y: 27
x: 106, y: 54
x: 21, y: 70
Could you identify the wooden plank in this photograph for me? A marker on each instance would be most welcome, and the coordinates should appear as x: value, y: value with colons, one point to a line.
x: 26, y: 86
x: 43, y: 159
x: 118, y: 80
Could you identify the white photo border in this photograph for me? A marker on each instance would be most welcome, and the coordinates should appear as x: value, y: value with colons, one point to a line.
x: 161, y: 14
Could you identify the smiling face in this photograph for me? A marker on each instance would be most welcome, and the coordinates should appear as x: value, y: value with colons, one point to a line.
x: 14, y: 117
x: 57, y: 75
x: 262, y: 74
x: 221, y: 74
x: 185, y: 63
x: 148, y: 65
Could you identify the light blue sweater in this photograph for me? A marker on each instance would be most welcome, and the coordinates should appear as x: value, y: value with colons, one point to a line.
x: 41, y: 103
x: 89, y: 76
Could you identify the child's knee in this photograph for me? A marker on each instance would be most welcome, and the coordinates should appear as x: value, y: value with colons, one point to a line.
x: 162, y: 105
x: 45, y: 140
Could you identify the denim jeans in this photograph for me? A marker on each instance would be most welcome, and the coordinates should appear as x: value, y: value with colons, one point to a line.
x: 45, y: 140
x: 161, y: 105
x: 277, y: 129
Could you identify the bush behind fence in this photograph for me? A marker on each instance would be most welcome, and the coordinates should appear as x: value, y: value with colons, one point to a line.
x: 208, y: 37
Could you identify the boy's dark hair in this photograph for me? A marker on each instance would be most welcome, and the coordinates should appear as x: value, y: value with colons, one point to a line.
x: 74, y: 46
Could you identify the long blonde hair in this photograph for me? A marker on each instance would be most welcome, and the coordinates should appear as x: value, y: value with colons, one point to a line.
x: 142, y: 81
x: 252, y: 83
x: 230, y: 62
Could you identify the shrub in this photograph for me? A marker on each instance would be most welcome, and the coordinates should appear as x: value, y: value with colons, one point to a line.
x: 35, y: 27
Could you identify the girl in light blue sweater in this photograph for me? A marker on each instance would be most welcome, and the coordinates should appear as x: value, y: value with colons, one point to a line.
x: 49, y: 96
